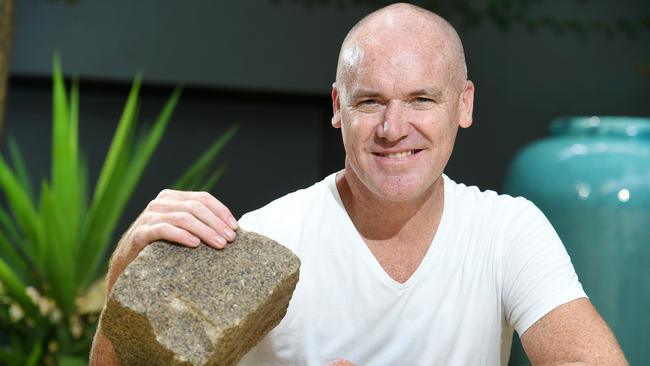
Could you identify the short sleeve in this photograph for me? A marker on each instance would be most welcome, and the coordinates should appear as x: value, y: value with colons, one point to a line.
x: 249, y: 222
x: 538, y: 275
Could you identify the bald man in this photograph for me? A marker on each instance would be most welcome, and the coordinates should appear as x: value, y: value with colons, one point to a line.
x: 400, y: 264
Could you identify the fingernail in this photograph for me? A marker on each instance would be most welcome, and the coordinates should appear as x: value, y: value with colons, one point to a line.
x: 233, y: 223
x: 221, y: 240
x: 229, y: 233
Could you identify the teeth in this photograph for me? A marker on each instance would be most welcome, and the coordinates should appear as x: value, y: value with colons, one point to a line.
x: 398, y: 155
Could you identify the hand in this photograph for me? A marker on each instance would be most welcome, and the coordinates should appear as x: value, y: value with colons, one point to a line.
x: 186, y: 218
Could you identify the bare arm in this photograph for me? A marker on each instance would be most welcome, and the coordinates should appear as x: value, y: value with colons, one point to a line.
x: 186, y: 218
x: 573, y: 334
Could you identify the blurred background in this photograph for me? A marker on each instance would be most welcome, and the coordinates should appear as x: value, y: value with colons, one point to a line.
x: 268, y: 66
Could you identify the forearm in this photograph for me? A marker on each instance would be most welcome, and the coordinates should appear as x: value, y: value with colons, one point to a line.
x: 122, y: 256
x: 102, y: 352
x: 185, y: 218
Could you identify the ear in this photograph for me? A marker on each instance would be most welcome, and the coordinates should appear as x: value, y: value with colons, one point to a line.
x: 466, y: 105
x: 336, y: 107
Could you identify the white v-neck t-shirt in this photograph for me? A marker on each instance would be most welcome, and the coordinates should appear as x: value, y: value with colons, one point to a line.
x: 495, y: 265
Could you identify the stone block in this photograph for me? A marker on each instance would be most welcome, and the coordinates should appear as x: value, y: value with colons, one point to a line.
x: 179, y: 306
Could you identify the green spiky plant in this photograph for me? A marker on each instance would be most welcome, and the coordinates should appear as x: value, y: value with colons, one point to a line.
x: 53, y: 247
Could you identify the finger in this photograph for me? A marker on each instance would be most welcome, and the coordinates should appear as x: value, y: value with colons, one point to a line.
x: 169, y: 194
x: 179, y: 202
x: 213, y: 204
x: 164, y: 231
x: 217, y: 208
x: 196, y: 227
x: 201, y: 212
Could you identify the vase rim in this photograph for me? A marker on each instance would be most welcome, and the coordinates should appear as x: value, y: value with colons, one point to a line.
x: 630, y: 126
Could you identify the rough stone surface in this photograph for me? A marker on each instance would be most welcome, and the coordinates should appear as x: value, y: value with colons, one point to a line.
x: 179, y: 306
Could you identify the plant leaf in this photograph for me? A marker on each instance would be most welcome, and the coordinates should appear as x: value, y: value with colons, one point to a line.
x: 125, y: 187
x: 60, y: 124
x: 22, y: 208
x: 212, y: 180
x: 119, y: 144
x: 71, y: 361
x: 93, y: 232
x: 83, y: 189
x: 8, y: 227
x: 59, y: 259
x: 65, y: 169
x: 16, y: 289
x: 190, y: 179
x: 35, y: 355
x: 19, y: 166
x: 11, y: 254
x: 94, y: 229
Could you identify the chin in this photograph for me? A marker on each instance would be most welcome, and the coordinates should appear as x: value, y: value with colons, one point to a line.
x: 401, y: 189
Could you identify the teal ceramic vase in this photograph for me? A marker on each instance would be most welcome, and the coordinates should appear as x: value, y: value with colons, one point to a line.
x: 591, y: 178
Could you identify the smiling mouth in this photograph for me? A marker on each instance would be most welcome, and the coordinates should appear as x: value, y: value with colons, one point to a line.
x: 398, y: 155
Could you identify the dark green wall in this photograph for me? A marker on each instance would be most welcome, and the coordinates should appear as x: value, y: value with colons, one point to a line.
x: 270, y: 64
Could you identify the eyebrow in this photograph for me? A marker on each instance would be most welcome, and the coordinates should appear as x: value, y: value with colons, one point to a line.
x: 433, y: 92
x: 364, y: 93
x: 368, y: 93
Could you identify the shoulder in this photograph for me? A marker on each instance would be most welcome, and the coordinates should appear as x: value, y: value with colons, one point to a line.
x: 471, y: 201
x: 499, y: 222
x: 284, y: 219
x: 292, y: 206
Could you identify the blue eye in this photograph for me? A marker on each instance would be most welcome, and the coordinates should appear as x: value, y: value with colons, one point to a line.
x: 423, y: 100
x: 368, y: 102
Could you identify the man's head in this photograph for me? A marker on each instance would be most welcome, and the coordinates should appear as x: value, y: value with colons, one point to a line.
x: 401, y: 92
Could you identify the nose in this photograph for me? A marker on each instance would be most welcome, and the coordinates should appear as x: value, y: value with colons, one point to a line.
x: 394, y: 125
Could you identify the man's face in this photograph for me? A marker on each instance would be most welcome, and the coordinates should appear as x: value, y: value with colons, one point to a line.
x: 399, y: 108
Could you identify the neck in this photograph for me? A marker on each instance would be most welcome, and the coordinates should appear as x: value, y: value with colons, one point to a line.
x: 379, y: 219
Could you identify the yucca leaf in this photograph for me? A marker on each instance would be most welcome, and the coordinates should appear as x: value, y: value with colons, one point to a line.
x: 35, y: 354
x: 60, y: 213
x: 14, y: 248
x: 19, y: 165
x: 73, y: 135
x: 94, y: 231
x: 211, y: 181
x: 94, y: 234
x: 22, y: 208
x: 76, y: 193
x: 16, y: 289
x: 59, y: 262
x: 140, y: 159
x: 83, y: 187
x: 60, y: 127
x: 189, y: 180
x: 8, y: 227
x: 65, y: 162
x: 9, y: 252
x: 119, y: 143
x: 60, y: 122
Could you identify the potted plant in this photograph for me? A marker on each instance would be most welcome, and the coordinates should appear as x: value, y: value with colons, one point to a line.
x: 53, y: 245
